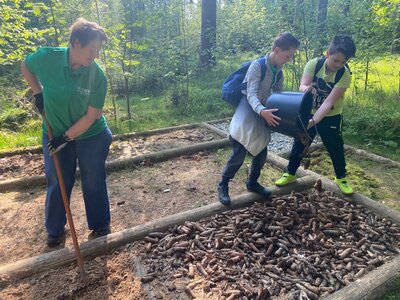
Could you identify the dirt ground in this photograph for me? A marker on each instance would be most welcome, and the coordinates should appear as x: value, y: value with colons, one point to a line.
x: 137, y: 195
x: 30, y: 164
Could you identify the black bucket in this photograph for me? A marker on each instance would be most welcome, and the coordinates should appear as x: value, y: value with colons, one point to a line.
x: 294, y: 111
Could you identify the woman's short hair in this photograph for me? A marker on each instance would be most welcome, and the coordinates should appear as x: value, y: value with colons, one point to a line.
x: 84, y: 32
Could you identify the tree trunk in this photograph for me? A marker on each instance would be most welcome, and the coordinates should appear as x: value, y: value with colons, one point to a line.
x: 321, y: 27
x: 366, y: 75
x: 208, y: 32
x: 54, y: 24
x: 346, y: 8
x: 104, y: 58
x: 396, y: 41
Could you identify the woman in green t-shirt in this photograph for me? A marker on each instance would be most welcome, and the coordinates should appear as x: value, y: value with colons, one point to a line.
x: 70, y: 89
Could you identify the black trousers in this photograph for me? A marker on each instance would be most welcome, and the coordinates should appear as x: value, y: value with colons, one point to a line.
x: 236, y: 160
x: 330, y: 131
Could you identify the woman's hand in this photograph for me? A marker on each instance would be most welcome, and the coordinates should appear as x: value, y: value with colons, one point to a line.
x: 271, y: 119
x: 57, y: 143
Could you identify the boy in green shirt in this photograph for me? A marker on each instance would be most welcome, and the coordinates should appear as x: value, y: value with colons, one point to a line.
x: 328, y: 84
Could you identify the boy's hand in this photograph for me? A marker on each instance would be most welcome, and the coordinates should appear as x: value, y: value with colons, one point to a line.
x: 311, y: 89
x: 268, y: 115
x: 311, y: 123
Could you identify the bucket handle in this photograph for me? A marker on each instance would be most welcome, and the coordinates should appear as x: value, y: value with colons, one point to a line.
x: 303, y: 154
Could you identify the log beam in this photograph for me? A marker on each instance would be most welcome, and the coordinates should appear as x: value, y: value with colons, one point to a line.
x: 105, y: 244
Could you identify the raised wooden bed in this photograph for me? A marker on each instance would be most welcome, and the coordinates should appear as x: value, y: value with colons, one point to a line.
x: 27, y: 267
x: 13, y: 184
x: 371, y: 286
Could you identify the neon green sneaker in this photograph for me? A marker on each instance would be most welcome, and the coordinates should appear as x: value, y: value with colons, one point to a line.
x: 285, y: 179
x: 344, y: 186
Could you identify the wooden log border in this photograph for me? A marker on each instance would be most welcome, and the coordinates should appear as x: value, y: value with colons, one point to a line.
x: 115, y: 165
x: 357, y: 198
x: 218, y: 131
x: 314, y: 147
x: 372, y: 156
x: 374, y: 284
x: 29, y: 266
x: 371, y: 286
x: 116, y: 137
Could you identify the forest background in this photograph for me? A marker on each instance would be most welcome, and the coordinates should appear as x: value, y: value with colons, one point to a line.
x: 166, y: 59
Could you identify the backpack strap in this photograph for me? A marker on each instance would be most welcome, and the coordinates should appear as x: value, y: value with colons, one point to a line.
x: 321, y: 62
x: 279, y: 76
x: 263, y: 66
x: 319, y: 65
x: 339, y: 74
x: 348, y: 68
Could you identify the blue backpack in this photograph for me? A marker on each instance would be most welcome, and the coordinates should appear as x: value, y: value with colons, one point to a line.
x: 233, y: 84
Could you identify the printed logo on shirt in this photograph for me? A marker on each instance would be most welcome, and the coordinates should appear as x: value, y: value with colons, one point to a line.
x: 82, y: 91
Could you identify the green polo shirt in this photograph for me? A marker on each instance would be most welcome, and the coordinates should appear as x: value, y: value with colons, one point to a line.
x: 67, y: 92
x: 344, y: 82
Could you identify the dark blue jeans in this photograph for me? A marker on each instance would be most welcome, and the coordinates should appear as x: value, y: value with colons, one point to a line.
x: 330, y: 131
x: 236, y: 160
x: 90, y: 154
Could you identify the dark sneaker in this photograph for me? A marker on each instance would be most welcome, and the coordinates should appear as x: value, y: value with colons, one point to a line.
x: 98, y: 233
x: 54, y: 241
x: 259, y: 189
x: 223, y: 194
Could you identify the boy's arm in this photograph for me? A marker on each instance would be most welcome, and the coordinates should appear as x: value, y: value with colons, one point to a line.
x: 305, y: 84
x: 253, y: 84
x: 329, y: 102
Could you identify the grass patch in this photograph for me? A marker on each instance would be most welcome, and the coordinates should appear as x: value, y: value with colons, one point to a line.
x: 372, y: 179
x: 395, y: 293
x: 10, y: 139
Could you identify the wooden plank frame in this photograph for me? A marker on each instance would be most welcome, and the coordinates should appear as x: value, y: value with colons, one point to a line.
x: 371, y: 286
x: 29, y: 181
x: 105, y: 244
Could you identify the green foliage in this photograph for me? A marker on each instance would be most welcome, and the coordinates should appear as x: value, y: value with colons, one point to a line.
x: 13, y: 118
x: 153, y: 45
x: 395, y: 294
x: 15, y: 38
x: 372, y: 115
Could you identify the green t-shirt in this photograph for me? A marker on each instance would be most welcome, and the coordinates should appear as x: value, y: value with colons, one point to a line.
x: 67, y: 92
x: 274, y: 70
x: 344, y: 82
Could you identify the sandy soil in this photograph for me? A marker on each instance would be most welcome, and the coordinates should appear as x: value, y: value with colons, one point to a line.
x: 30, y: 164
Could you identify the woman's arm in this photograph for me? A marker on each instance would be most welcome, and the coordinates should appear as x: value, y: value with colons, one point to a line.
x: 31, y: 79
x: 84, y: 122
